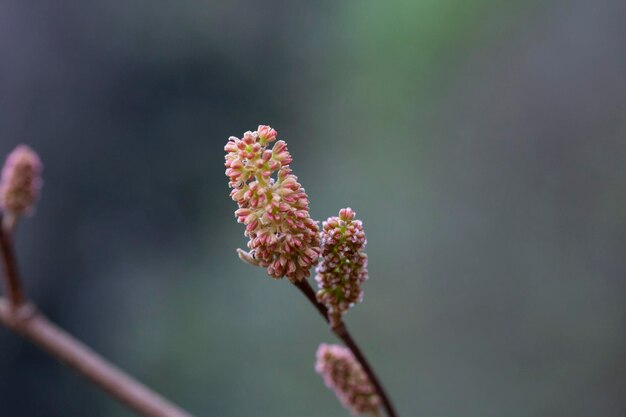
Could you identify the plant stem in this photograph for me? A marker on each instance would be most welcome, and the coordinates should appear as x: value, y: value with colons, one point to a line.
x: 24, y: 319
x: 309, y: 293
x: 341, y: 331
x: 12, y: 280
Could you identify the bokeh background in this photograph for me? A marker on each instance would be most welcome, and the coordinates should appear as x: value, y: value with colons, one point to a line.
x: 482, y: 142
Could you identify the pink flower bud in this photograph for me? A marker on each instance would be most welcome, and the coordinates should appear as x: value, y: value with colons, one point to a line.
x: 248, y: 138
x: 266, y: 133
x: 231, y: 146
x: 346, y: 214
x: 21, y: 181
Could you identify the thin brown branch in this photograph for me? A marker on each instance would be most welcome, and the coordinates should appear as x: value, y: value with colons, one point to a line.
x: 29, y: 323
x: 342, y: 332
x: 24, y: 319
x: 309, y: 293
x: 13, y: 283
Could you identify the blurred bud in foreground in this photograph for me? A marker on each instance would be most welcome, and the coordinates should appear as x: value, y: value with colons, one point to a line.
x: 343, y: 374
x: 343, y: 267
x: 21, y: 181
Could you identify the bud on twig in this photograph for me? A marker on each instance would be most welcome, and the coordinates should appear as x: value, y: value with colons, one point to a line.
x: 343, y: 374
x: 21, y: 181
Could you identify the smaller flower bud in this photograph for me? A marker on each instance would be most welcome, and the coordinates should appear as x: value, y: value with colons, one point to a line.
x: 346, y: 214
x: 21, y: 181
x: 266, y: 133
x: 249, y: 138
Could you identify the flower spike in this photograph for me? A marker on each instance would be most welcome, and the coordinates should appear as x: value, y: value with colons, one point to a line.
x: 343, y: 374
x: 272, y: 205
x: 343, y: 267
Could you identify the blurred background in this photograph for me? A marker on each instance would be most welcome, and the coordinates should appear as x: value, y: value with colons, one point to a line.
x: 483, y: 144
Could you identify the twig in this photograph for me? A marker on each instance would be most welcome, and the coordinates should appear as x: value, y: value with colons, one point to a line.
x: 24, y: 319
x: 309, y: 293
x: 12, y: 280
x: 341, y: 331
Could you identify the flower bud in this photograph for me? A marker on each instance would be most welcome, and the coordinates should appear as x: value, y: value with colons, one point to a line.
x: 343, y: 374
x: 21, y: 181
x: 266, y: 133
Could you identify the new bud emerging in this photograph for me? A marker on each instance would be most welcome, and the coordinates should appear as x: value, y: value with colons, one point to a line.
x: 21, y: 181
x: 343, y: 374
x: 272, y: 205
x: 343, y: 267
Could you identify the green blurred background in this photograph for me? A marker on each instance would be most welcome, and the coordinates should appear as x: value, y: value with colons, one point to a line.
x: 481, y: 142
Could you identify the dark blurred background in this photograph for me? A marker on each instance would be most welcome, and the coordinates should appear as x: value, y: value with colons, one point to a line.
x: 483, y: 143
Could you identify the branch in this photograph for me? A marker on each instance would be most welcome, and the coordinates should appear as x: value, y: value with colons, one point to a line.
x: 12, y: 280
x: 28, y: 322
x: 341, y: 331
x: 24, y: 319
x: 306, y: 289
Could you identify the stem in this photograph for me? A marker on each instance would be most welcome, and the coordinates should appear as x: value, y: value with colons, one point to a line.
x: 11, y: 273
x: 306, y: 289
x: 341, y: 331
x: 26, y: 321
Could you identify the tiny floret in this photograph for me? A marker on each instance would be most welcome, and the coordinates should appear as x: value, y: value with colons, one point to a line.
x: 266, y: 133
x: 21, y: 181
x: 345, y: 376
x: 343, y: 267
x: 272, y: 205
